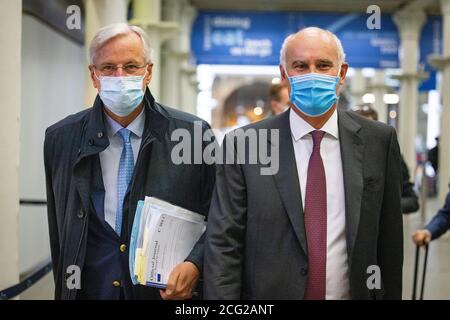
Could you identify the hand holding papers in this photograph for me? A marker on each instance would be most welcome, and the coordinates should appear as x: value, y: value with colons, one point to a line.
x: 163, y: 235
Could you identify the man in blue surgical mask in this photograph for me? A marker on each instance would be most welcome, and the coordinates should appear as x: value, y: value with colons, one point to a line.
x: 327, y: 224
x: 100, y: 162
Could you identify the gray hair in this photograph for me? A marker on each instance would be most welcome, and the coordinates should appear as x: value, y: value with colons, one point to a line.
x: 340, y: 49
x: 117, y: 29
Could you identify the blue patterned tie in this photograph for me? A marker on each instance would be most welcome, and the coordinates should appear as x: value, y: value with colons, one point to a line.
x: 126, y: 167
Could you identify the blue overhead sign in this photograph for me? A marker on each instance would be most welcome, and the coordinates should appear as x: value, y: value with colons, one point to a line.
x: 364, y: 48
x: 255, y: 38
x: 239, y: 38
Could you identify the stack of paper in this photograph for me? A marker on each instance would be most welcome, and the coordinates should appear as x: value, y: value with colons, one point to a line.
x: 163, y: 235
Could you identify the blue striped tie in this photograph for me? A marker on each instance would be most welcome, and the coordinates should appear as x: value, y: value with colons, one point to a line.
x: 126, y: 167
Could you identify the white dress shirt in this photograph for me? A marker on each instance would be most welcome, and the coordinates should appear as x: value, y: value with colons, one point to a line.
x: 110, y: 158
x: 337, y: 280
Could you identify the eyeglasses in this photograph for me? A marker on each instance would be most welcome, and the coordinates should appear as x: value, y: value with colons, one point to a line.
x: 128, y: 69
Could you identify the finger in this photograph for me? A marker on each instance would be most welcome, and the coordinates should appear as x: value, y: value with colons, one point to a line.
x: 187, y: 288
x: 172, y: 282
x: 193, y: 284
x: 182, y: 286
x: 163, y: 295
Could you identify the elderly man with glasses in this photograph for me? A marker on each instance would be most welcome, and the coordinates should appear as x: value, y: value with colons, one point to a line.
x: 100, y: 162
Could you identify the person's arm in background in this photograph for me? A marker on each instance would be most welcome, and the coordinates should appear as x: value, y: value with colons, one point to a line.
x: 410, y: 201
x: 390, y: 238
x: 436, y: 227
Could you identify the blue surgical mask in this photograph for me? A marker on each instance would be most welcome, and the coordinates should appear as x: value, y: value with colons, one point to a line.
x: 121, y: 95
x: 313, y: 93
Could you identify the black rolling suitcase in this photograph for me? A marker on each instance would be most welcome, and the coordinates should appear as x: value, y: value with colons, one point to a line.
x: 416, y: 270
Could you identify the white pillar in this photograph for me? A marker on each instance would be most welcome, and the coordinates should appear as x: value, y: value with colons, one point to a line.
x: 189, y: 75
x: 357, y: 87
x: 178, y: 89
x: 409, y: 23
x: 171, y: 88
x: 189, y: 88
x: 443, y: 63
x: 171, y: 59
x: 379, y: 88
x: 147, y: 14
x: 100, y: 13
x: 10, y: 91
x: 194, y: 93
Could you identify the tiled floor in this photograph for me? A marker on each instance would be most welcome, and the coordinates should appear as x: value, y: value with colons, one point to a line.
x: 437, y: 277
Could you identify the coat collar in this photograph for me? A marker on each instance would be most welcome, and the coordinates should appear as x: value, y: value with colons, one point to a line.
x: 95, y: 139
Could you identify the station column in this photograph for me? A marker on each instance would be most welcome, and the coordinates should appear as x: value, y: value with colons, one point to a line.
x: 10, y: 93
x: 410, y: 23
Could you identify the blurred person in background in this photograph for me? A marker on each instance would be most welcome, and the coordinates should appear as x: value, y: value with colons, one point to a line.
x: 279, y: 99
x: 433, y: 156
x: 436, y: 227
x: 410, y: 200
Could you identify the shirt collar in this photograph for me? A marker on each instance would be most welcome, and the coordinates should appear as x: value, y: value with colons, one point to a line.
x: 300, y: 128
x: 136, y: 126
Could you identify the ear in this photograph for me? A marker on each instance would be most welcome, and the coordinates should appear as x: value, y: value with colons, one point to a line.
x: 148, y: 77
x: 282, y: 72
x: 94, y: 79
x: 284, y: 75
x: 343, y: 74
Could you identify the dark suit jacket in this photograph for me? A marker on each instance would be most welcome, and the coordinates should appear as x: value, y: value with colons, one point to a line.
x: 71, y: 150
x: 256, y: 243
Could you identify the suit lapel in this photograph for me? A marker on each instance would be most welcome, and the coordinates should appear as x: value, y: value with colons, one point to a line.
x: 286, y: 179
x: 352, y: 150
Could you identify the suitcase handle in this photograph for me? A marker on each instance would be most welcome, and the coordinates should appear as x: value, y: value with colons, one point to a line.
x: 416, y: 267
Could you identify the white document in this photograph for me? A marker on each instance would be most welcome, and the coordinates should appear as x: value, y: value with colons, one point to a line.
x: 167, y: 234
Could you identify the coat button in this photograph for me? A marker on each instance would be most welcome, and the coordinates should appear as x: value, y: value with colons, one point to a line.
x: 81, y: 213
x: 123, y: 247
x: 100, y: 134
x: 304, y: 271
x: 90, y: 142
x: 116, y: 283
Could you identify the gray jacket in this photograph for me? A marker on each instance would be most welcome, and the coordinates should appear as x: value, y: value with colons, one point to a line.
x: 256, y: 243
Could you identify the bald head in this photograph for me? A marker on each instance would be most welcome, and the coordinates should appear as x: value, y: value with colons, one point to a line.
x: 312, y: 50
x: 314, y: 35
